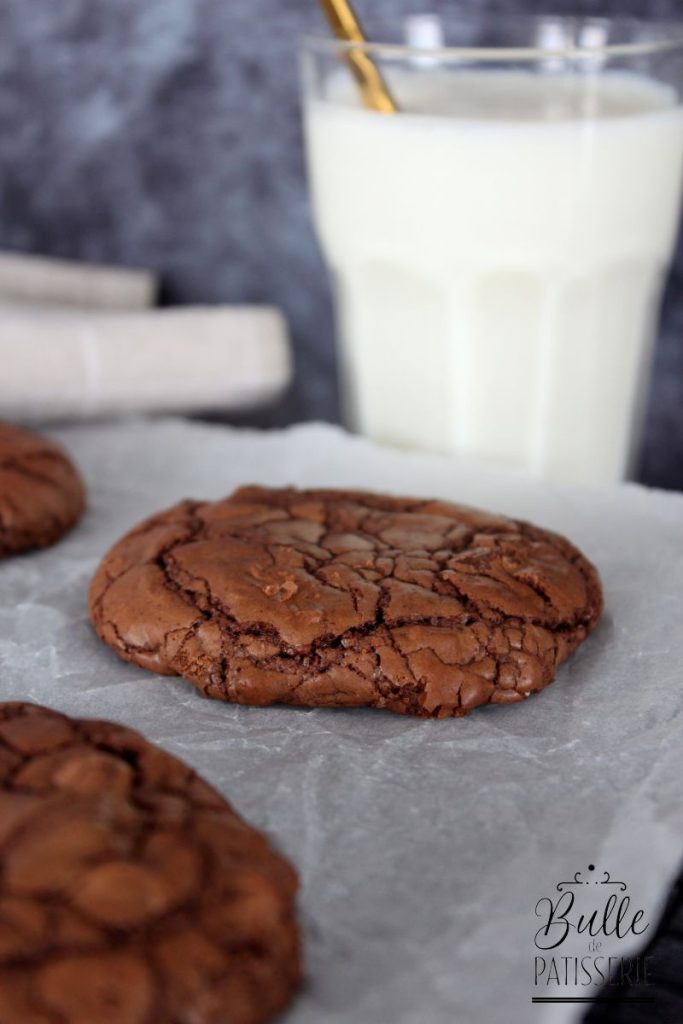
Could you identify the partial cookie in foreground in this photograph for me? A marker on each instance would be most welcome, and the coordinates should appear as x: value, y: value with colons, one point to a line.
x: 41, y: 492
x: 335, y: 598
x: 130, y: 892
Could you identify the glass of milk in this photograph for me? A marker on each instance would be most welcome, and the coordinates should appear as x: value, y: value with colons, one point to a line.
x: 498, y: 247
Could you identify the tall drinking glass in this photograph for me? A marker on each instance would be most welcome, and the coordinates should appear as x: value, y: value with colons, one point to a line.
x: 499, y: 245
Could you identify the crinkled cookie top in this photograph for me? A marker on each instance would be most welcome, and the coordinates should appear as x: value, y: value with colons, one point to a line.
x: 338, y: 598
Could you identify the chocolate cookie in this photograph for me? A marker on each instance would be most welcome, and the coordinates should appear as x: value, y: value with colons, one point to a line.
x: 130, y: 892
x: 41, y: 492
x: 336, y: 598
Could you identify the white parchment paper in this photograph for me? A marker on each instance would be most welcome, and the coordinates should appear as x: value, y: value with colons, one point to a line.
x: 423, y: 847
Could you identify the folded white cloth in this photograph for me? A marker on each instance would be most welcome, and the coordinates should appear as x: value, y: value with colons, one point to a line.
x: 43, y: 280
x: 63, y: 364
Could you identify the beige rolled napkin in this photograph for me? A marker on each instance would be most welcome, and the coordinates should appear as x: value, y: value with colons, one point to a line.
x: 42, y: 280
x: 63, y: 364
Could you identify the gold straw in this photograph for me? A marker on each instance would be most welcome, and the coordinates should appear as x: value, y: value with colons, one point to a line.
x: 345, y: 25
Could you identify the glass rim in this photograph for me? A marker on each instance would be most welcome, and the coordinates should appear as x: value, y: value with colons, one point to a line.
x: 669, y: 39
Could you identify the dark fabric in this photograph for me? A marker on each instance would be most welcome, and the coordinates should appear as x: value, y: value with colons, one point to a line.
x: 662, y: 1000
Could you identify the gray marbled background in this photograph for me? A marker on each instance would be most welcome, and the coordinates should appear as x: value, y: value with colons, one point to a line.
x: 166, y: 134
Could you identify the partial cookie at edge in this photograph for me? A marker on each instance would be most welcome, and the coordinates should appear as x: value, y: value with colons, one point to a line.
x: 41, y: 492
x: 130, y: 892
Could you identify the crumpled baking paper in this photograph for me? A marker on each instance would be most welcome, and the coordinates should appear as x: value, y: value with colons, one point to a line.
x: 424, y: 848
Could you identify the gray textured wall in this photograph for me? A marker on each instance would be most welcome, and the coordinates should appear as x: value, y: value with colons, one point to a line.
x: 166, y: 134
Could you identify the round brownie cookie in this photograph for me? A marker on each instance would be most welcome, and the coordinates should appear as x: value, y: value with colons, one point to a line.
x: 130, y: 892
x: 336, y: 598
x: 41, y: 492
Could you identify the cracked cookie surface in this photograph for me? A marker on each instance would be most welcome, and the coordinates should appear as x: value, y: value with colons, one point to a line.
x: 130, y: 892
x: 337, y: 598
x: 41, y: 492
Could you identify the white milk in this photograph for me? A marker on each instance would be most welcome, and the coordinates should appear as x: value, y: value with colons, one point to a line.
x: 499, y: 263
